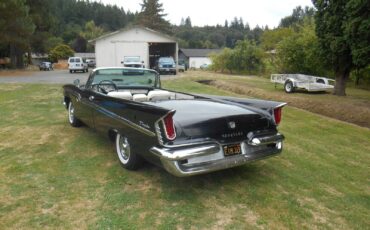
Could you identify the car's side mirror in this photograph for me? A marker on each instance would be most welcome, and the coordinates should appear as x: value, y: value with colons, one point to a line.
x: 121, y: 62
x: 77, y: 82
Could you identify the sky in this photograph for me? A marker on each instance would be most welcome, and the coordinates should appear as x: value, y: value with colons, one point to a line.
x: 212, y: 12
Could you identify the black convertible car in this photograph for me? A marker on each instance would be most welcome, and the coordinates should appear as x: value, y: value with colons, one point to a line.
x: 187, y: 134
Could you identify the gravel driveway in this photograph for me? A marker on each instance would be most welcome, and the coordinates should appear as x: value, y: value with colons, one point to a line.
x: 49, y: 77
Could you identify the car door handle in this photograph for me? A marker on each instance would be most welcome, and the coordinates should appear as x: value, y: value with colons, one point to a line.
x: 91, y: 98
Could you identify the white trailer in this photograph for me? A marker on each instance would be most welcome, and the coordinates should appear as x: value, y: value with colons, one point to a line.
x: 292, y: 82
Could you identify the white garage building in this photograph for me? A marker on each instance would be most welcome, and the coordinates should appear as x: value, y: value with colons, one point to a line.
x: 149, y: 45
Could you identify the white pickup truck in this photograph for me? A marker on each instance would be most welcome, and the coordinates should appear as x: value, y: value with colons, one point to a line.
x: 292, y: 82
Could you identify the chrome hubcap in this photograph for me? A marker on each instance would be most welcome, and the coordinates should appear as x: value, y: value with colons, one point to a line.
x: 288, y: 87
x: 71, y: 112
x: 124, y: 148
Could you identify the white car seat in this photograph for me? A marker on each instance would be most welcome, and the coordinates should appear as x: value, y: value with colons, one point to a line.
x: 156, y: 95
x: 140, y: 97
x: 123, y: 95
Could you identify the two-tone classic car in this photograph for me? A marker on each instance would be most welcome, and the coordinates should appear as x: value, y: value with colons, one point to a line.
x: 187, y: 134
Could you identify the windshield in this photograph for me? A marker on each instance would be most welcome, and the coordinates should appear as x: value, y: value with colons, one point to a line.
x: 126, y: 77
x: 131, y: 59
x: 166, y: 60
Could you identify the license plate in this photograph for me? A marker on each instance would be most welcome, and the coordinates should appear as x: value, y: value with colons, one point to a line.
x: 167, y: 70
x: 233, y: 149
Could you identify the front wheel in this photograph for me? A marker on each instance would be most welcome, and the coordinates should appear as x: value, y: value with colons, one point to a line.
x: 288, y: 87
x: 128, y: 159
x: 73, y: 121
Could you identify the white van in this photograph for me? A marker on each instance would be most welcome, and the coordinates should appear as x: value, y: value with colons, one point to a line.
x: 77, y: 64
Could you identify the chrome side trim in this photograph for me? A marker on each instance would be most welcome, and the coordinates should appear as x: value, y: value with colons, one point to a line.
x: 280, y: 105
x: 181, y: 154
x: 128, y: 122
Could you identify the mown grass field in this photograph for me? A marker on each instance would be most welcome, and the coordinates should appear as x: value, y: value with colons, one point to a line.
x: 56, y: 176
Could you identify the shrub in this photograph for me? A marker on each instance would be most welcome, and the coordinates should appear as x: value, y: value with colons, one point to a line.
x: 60, y: 52
x: 245, y: 57
x: 299, y: 53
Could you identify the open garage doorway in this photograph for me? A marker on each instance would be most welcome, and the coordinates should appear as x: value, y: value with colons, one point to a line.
x: 157, y: 50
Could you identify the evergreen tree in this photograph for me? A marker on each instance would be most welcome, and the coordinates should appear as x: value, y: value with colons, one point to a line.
x: 16, y: 28
x: 188, y: 22
x: 182, y: 23
x: 39, y: 11
x: 152, y: 16
x: 342, y: 27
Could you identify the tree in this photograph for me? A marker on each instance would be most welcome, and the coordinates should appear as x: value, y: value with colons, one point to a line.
x: 39, y: 11
x: 16, y: 29
x: 342, y: 27
x: 188, y: 22
x: 60, y: 52
x: 245, y: 57
x: 299, y: 52
x: 92, y: 31
x: 222, y: 61
x: 297, y: 16
x: 271, y: 38
x: 79, y: 44
x: 358, y: 34
x: 52, y: 42
x: 152, y: 16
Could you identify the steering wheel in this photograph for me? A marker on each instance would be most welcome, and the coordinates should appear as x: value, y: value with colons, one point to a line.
x: 104, y: 85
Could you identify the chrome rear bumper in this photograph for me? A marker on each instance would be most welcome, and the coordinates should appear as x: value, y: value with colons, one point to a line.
x: 179, y: 161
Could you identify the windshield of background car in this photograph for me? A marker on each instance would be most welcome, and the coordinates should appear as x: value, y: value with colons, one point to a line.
x: 131, y: 59
x: 126, y: 77
x: 166, y: 60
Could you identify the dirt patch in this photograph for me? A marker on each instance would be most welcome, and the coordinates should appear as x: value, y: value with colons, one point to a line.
x: 14, y: 73
x: 344, y: 109
x: 62, y: 64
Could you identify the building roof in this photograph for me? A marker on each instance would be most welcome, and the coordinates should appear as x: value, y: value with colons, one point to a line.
x: 85, y: 55
x: 127, y: 28
x: 199, y: 52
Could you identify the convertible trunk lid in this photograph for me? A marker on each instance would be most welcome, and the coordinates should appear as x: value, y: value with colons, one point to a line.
x: 203, y: 118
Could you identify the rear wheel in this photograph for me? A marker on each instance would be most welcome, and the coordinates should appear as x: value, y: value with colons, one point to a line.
x: 288, y: 87
x: 70, y: 71
x: 73, y: 121
x: 128, y: 159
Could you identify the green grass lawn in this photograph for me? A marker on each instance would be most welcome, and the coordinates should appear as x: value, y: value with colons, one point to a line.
x: 56, y: 176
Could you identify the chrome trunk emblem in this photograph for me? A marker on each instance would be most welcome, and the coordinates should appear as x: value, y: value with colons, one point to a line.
x: 231, y: 124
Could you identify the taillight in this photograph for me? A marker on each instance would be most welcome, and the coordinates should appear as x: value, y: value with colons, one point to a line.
x: 277, y: 115
x: 169, y: 127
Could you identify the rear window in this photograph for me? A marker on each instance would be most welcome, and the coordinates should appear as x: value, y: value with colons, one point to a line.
x: 77, y: 60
